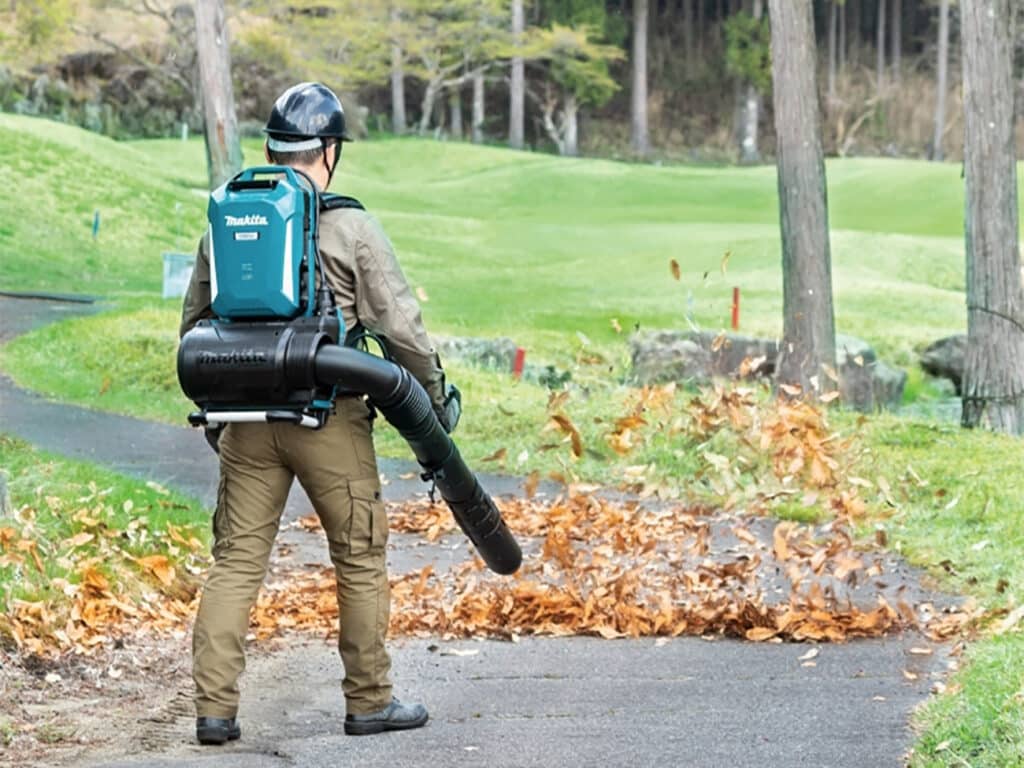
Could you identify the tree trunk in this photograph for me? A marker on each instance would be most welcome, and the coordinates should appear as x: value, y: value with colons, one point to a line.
x: 842, y: 37
x: 478, y: 107
x: 570, y: 127
x: 223, y: 149
x: 897, y: 39
x: 700, y: 29
x: 455, y: 112
x: 993, y: 384
x: 751, y: 109
x: 856, y: 31
x: 880, y: 49
x: 516, y: 119
x: 833, y: 34
x: 398, y: 123
x: 808, y: 340
x: 688, y: 35
x: 941, y: 82
x: 639, y: 138
x: 427, y: 105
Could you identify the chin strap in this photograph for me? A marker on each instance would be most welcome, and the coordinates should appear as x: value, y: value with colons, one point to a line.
x: 337, y: 156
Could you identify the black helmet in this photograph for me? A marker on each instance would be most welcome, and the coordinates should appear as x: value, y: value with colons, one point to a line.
x: 306, y: 111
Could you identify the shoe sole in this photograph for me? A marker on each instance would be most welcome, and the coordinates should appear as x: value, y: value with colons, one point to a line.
x: 368, y: 729
x: 217, y: 736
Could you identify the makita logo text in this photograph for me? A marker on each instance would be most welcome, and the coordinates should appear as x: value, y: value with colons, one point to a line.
x: 234, y: 357
x: 249, y: 220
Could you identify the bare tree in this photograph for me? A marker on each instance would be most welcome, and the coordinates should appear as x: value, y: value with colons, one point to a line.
x: 398, y: 122
x: 808, y: 340
x: 833, y: 35
x: 688, y: 34
x: 223, y: 149
x: 880, y: 49
x: 478, y: 107
x: 639, y: 136
x: 751, y: 107
x: 897, y: 39
x: 993, y: 385
x: 455, y: 112
x: 941, y: 82
x: 517, y: 88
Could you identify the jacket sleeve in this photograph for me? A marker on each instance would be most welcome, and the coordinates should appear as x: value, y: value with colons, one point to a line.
x: 197, y: 298
x: 385, y: 305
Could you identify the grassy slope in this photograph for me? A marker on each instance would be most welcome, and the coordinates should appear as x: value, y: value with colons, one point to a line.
x: 531, y: 246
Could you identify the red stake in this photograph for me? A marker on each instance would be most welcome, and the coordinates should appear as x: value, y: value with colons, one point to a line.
x: 518, y: 363
x: 736, y: 308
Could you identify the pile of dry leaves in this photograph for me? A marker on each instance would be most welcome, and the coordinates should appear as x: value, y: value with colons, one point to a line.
x: 78, y: 584
x: 623, y: 570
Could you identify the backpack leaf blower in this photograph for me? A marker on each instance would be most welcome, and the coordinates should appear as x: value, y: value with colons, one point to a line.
x: 273, y: 354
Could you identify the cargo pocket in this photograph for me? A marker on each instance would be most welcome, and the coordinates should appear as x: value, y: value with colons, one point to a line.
x: 369, y: 531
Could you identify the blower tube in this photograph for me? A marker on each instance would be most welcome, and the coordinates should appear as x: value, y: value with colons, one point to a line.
x: 407, y: 407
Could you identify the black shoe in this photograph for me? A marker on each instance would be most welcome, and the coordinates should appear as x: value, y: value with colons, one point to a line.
x: 394, y: 717
x: 217, y: 730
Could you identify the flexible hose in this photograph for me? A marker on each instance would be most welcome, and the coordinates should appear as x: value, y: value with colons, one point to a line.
x: 407, y: 407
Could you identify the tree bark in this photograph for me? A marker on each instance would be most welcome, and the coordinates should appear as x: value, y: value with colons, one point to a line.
x: 842, y: 37
x: 517, y: 113
x: 427, y: 105
x: 751, y: 109
x: 398, y: 121
x: 688, y: 35
x: 897, y: 40
x: 833, y: 34
x: 941, y: 82
x: 478, y: 107
x: 455, y: 112
x: 639, y: 137
x: 571, y: 129
x: 808, y: 340
x: 880, y: 49
x: 223, y: 148
x: 993, y: 384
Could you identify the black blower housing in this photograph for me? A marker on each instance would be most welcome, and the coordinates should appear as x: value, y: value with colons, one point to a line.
x: 242, y: 365
x: 245, y: 366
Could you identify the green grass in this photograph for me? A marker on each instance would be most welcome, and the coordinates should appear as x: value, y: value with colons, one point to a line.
x: 56, y: 499
x: 531, y: 246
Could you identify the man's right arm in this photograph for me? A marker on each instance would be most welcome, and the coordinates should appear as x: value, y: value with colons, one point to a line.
x: 197, y: 299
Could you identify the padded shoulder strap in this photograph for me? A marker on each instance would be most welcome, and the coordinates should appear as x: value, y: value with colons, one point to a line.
x: 329, y: 202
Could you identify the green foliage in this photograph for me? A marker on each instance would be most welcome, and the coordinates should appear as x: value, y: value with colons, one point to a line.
x: 40, y: 27
x: 576, y: 63
x: 748, y: 49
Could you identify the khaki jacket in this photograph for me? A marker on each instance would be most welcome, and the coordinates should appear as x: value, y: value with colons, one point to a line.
x: 368, y: 286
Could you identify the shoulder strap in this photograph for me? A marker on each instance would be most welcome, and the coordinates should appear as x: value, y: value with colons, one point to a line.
x: 329, y: 202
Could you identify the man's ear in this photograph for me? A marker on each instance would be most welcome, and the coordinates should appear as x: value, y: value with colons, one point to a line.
x: 266, y: 151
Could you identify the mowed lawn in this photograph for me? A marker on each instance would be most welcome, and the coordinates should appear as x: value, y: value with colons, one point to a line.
x: 531, y: 246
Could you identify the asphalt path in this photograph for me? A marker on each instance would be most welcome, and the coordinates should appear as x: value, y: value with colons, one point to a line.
x: 538, y: 702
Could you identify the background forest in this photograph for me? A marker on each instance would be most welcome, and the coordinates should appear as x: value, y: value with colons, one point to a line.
x: 662, y: 79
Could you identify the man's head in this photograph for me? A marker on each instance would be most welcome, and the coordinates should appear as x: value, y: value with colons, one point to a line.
x: 305, y: 131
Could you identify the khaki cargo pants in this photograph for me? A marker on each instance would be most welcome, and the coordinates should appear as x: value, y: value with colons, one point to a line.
x: 337, y: 467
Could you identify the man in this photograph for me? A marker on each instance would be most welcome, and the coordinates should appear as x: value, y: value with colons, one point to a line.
x: 336, y: 465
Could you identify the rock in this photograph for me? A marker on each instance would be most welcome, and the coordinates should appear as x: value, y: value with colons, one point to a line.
x: 728, y: 351
x: 497, y: 354
x: 6, y: 508
x: 866, y: 383
x: 945, y: 359
x: 663, y: 356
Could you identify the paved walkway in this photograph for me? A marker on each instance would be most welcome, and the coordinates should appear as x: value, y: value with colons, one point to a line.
x: 540, y: 702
